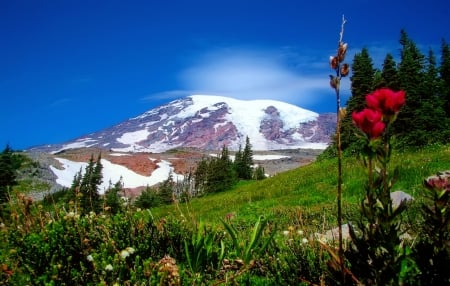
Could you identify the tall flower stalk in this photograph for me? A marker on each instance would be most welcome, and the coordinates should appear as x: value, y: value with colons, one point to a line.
x: 341, y: 70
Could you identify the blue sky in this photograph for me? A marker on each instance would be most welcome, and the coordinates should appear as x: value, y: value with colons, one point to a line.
x: 68, y: 68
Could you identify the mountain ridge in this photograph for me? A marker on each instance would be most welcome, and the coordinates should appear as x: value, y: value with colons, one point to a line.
x: 209, y: 122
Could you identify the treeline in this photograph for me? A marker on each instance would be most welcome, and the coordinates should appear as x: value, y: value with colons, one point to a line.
x: 211, y: 175
x: 425, y: 119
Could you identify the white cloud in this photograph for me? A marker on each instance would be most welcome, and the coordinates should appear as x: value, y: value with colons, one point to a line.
x: 256, y: 74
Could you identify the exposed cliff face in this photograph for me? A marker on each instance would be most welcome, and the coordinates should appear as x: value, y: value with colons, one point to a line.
x: 210, y: 122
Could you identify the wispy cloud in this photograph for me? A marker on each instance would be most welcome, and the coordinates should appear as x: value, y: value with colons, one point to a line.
x: 257, y: 74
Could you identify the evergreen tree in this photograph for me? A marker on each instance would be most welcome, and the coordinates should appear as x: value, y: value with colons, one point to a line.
x: 411, y: 75
x: 74, y: 191
x: 165, y: 190
x: 445, y: 76
x: 92, y: 178
x: 113, y: 202
x: 247, y: 159
x: 433, y: 118
x: 8, y: 168
x: 200, y: 175
x: 148, y: 199
x: 220, y: 173
x: 362, y: 83
x: 259, y: 173
x: 243, y: 161
x: 389, y: 74
x: 239, y: 163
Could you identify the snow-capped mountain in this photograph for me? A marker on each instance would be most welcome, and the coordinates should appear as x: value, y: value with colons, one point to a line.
x: 210, y: 122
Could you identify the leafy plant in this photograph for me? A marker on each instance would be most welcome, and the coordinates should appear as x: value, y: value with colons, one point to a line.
x: 203, y: 255
x: 247, y: 249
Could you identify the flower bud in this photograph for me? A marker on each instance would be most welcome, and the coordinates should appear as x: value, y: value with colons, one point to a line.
x: 342, y: 51
x: 334, y: 82
x: 334, y: 62
x: 345, y: 69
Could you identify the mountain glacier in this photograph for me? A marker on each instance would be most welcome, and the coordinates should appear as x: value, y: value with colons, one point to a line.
x: 210, y: 122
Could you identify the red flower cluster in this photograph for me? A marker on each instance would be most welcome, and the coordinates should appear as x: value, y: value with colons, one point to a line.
x: 369, y: 121
x: 382, y: 104
x: 386, y: 100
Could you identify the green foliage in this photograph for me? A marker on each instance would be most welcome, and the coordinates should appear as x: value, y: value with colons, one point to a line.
x: 10, y: 162
x: 243, y: 161
x: 39, y: 245
x: 204, y: 253
x: 249, y: 248
x: 86, y: 186
x: 149, y: 198
x: 432, y: 252
x: 259, y: 173
x: 215, y: 175
x: 166, y: 190
x: 113, y: 202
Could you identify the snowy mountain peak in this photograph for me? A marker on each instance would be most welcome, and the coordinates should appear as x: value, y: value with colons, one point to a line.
x: 210, y: 122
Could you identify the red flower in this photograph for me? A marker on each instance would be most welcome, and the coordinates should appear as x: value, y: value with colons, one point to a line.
x: 369, y: 122
x: 386, y: 100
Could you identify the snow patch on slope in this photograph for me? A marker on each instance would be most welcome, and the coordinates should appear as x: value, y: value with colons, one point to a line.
x: 133, y: 137
x: 112, y: 173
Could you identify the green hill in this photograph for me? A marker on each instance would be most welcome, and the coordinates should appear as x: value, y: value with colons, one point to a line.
x: 309, y: 190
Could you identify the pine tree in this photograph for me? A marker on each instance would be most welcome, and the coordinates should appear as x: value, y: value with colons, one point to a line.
x: 92, y: 178
x: 389, y: 74
x: 409, y: 124
x: 148, y: 199
x: 221, y: 175
x: 243, y: 161
x: 445, y: 76
x: 362, y: 81
x: 259, y: 173
x: 8, y: 174
x: 247, y: 159
x: 74, y: 191
x: 200, y: 175
x: 165, y: 190
x: 434, y: 119
x: 112, y: 199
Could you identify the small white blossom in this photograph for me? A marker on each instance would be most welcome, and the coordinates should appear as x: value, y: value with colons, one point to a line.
x: 286, y: 232
x: 304, y: 240
x: 130, y: 250
x: 90, y: 258
x: 124, y: 254
x: 109, y: 267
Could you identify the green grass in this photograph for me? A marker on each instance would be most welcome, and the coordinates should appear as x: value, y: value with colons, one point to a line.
x: 309, y: 191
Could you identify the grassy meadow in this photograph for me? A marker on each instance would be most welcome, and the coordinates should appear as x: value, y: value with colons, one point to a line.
x: 309, y: 191
x: 258, y: 233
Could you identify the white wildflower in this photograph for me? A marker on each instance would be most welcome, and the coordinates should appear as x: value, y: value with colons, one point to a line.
x: 130, y: 250
x: 304, y: 240
x: 286, y: 232
x: 124, y: 254
x: 109, y: 267
x: 90, y: 258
